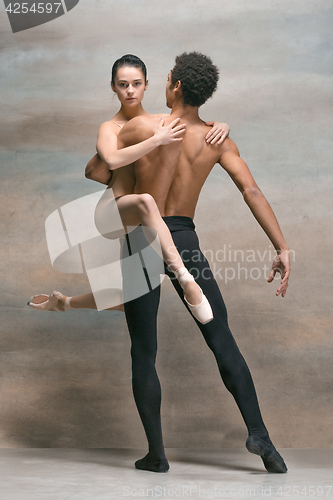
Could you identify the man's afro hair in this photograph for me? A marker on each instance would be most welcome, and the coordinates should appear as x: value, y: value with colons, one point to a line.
x: 198, y: 77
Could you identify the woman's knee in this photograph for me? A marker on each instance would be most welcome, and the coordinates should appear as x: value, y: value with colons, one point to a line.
x: 146, y: 203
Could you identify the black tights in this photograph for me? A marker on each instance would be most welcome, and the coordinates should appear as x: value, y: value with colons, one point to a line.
x: 141, y: 317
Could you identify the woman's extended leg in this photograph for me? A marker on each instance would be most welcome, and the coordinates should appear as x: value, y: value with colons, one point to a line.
x: 59, y: 302
x: 87, y: 301
x: 135, y: 209
x: 141, y: 209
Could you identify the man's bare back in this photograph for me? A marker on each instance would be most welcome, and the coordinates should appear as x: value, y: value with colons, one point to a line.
x: 173, y: 174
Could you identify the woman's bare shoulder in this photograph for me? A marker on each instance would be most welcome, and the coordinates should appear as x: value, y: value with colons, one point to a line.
x: 111, y: 126
x: 161, y: 115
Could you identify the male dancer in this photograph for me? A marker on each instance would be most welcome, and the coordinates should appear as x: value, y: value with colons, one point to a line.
x: 174, y: 175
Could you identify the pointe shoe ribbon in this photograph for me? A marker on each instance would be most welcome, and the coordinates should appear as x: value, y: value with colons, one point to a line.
x: 50, y: 303
x: 203, y: 311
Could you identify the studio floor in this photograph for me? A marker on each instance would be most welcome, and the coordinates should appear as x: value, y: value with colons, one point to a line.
x: 109, y: 474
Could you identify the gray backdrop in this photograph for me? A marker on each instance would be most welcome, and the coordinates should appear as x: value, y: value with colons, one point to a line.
x: 66, y: 378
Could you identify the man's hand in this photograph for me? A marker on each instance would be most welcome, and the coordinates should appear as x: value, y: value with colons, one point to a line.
x: 281, y: 265
x: 218, y: 133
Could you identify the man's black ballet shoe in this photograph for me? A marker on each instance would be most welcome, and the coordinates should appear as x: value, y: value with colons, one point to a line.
x: 146, y: 463
x: 270, y: 456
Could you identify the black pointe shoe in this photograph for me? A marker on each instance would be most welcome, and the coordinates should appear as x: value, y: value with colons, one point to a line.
x: 270, y: 456
x: 148, y: 463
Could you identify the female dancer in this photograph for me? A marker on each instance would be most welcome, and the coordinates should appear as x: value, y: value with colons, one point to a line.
x: 129, y: 82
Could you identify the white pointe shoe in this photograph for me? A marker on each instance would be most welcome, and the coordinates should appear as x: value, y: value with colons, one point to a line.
x: 203, y: 311
x: 50, y: 302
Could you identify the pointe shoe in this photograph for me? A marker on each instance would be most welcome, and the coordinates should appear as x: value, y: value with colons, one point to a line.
x: 50, y: 302
x: 203, y: 311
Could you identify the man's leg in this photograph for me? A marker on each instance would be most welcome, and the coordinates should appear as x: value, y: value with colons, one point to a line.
x: 232, y: 366
x: 141, y: 317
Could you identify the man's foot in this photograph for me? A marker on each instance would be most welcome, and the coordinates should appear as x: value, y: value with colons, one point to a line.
x: 151, y: 464
x: 54, y: 302
x: 267, y: 451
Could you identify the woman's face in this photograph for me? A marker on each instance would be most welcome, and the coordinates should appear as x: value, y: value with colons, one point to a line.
x: 129, y: 85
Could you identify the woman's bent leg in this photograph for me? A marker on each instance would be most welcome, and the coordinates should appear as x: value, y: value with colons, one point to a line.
x: 138, y: 209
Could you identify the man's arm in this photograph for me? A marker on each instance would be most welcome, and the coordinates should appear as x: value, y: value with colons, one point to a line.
x: 136, y: 131
x: 97, y: 170
x: 115, y: 150
x: 256, y: 201
x: 142, y: 134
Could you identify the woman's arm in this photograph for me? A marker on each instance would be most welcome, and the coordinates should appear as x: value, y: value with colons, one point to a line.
x: 108, y: 156
x: 114, y: 158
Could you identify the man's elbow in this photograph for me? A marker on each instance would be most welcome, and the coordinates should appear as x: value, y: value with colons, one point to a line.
x: 88, y: 172
x: 91, y: 168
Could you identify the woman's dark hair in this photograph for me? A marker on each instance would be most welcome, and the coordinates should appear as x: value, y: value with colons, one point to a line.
x: 198, y: 77
x: 128, y: 60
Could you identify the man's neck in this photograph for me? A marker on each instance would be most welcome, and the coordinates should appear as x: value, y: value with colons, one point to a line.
x: 186, y: 112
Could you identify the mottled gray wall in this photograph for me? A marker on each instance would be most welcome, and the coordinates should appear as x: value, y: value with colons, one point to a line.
x: 65, y: 379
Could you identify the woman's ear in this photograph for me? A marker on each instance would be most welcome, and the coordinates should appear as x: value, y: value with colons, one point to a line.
x: 146, y: 85
x: 112, y: 87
